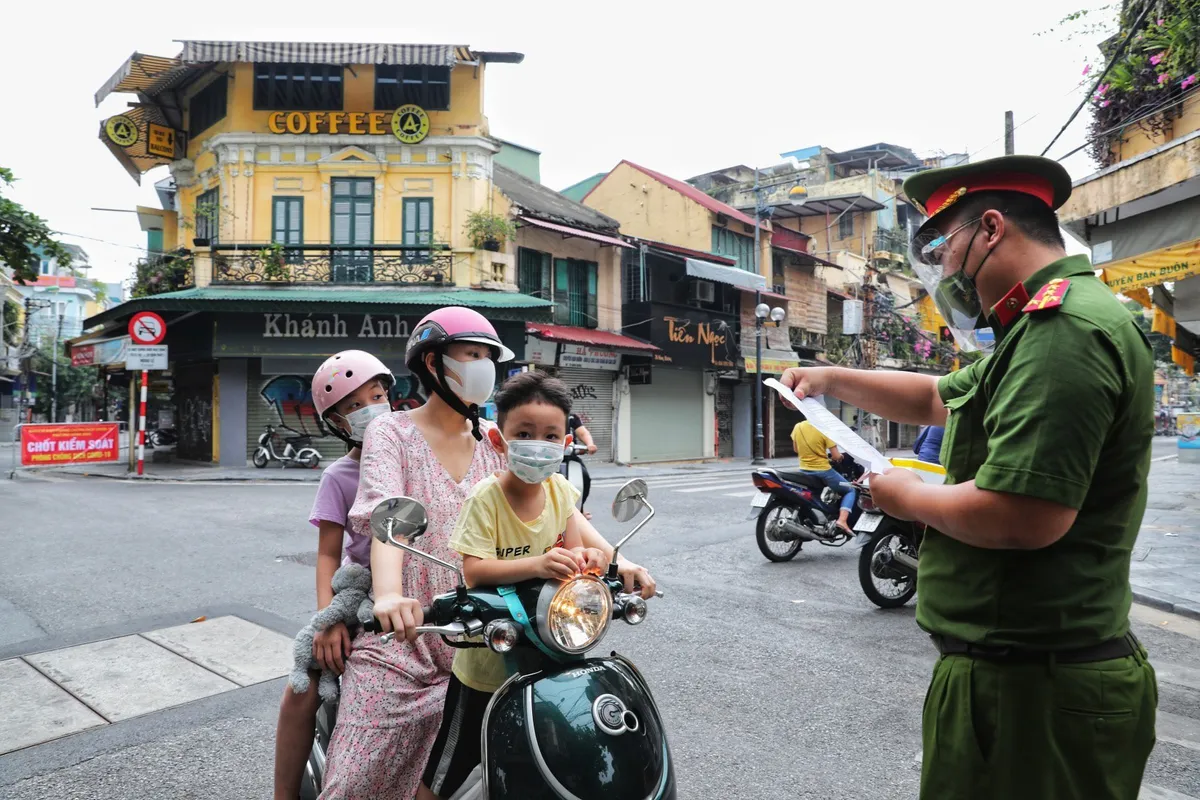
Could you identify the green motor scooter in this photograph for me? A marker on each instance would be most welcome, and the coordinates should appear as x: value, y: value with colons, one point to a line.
x: 564, y: 726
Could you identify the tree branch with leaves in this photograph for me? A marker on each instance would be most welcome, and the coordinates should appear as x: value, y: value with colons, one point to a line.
x: 24, y: 237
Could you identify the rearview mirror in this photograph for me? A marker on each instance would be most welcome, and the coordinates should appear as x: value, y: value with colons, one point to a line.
x: 630, y: 500
x: 399, y: 518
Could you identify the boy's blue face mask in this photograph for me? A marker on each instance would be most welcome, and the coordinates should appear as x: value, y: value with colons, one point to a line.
x: 534, y: 460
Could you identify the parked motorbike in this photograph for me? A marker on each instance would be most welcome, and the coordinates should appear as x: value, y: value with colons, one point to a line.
x: 162, y: 437
x: 576, y: 472
x: 887, y: 563
x: 563, y: 725
x: 795, y: 507
x: 296, y: 450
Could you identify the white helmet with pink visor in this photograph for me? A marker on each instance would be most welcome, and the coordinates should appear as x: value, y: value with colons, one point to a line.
x: 434, y: 333
x: 342, y: 374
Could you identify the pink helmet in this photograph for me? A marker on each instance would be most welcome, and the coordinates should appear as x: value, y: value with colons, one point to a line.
x: 341, y: 374
x: 451, y: 324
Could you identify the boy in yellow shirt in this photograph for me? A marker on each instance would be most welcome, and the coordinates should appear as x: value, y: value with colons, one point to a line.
x: 514, y: 526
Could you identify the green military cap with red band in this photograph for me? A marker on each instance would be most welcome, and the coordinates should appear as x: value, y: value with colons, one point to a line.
x: 937, y: 190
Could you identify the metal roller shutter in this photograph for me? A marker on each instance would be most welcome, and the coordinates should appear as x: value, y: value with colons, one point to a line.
x: 668, y: 416
x: 592, y: 400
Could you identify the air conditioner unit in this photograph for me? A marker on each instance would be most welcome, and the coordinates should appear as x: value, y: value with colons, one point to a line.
x: 704, y: 291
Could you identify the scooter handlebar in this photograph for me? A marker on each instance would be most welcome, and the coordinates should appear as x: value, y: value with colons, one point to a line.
x: 373, y: 626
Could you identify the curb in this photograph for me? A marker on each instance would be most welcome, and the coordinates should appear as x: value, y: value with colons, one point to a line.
x: 1166, y: 602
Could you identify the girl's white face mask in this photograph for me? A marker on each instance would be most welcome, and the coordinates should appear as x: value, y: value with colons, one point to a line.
x: 535, y: 460
x: 478, y: 379
x: 360, y: 418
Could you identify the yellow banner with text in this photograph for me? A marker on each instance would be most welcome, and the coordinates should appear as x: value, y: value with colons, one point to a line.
x: 1152, y: 269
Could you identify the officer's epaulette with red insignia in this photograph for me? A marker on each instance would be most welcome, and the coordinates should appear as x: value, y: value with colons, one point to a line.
x: 1049, y: 296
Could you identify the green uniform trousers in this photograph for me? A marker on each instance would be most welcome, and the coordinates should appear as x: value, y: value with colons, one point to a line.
x: 1037, y: 731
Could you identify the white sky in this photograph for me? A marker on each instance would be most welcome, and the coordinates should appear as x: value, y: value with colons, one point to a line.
x: 665, y: 84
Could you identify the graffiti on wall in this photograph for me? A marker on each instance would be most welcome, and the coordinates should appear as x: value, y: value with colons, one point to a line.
x: 583, y: 391
x: 290, y: 398
x: 195, y: 428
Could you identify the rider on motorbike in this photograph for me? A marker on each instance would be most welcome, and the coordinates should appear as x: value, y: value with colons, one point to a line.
x: 815, y: 450
x: 513, y: 527
x: 348, y: 390
x: 392, y: 694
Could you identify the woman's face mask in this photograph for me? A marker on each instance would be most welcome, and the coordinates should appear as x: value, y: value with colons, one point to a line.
x: 533, y: 460
x: 473, y: 381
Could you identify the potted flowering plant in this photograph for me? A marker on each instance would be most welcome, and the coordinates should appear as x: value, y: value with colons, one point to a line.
x: 488, y: 230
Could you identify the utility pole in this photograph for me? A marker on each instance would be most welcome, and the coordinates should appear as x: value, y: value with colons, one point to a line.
x: 1009, y: 142
x: 758, y: 404
x: 54, y: 372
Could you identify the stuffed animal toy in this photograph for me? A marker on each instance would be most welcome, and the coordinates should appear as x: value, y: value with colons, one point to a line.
x: 351, y: 605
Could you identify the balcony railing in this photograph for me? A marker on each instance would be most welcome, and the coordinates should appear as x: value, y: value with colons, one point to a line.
x: 329, y: 263
x: 891, y: 244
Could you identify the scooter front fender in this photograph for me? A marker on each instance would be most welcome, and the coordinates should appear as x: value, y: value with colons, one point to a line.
x: 584, y: 731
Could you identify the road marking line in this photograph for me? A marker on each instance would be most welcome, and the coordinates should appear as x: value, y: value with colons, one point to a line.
x: 1177, y: 674
x: 1151, y: 792
x: 680, y: 481
x: 740, y: 494
x: 1183, y: 731
x: 1164, y: 458
x: 1165, y: 620
x: 712, y: 487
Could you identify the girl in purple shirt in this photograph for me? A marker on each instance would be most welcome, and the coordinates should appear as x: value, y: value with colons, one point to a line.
x: 349, y: 390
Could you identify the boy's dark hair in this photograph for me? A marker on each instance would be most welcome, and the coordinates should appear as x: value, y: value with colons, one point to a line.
x: 531, y: 387
x: 1033, y: 217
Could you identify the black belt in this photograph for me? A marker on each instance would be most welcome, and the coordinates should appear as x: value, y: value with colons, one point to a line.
x: 1126, y: 645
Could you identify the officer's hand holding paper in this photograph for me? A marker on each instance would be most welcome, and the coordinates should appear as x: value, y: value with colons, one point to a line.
x: 834, y: 428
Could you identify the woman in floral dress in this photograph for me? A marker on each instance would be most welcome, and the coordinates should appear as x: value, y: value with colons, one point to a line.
x: 392, y: 695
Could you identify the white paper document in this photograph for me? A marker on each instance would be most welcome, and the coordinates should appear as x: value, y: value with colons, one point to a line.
x: 824, y: 421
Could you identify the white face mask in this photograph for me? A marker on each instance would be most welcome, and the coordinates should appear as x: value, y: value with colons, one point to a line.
x: 534, y: 461
x: 478, y: 379
x: 360, y: 418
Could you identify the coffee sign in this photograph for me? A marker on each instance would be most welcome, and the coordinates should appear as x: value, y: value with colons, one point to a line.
x: 409, y: 124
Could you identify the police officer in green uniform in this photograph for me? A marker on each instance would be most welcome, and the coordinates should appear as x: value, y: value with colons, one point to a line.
x: 1041, y: 692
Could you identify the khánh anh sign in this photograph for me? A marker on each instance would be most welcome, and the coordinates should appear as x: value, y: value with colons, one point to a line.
x: 409, y: 124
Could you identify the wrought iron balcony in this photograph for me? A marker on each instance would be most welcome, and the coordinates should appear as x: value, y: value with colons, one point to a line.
x: 329, y: 263
x: 891, y: 244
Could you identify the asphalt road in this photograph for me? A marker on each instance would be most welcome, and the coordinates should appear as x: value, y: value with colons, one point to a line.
x: 775, y: 680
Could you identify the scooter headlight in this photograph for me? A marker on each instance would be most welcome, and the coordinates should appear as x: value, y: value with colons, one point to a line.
x: 501, y: 635
x: 573, y: 616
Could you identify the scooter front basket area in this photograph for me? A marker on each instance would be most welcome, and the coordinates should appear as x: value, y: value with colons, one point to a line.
x: 583, y: 731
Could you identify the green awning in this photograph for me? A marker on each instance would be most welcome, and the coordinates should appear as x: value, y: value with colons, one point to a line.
x: 510, y: 306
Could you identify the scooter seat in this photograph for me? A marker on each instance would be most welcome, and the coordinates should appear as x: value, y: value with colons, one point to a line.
x: 806, y: 479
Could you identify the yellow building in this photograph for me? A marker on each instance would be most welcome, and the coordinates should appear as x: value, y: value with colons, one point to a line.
x: 691, y: 289
x: 321, y: 197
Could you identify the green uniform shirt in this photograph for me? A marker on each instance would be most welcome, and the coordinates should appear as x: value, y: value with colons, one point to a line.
x: 1062, y: 410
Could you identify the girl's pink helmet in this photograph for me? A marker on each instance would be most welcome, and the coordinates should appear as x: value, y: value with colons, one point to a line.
x: 451, y: 324
x: 344, y: 372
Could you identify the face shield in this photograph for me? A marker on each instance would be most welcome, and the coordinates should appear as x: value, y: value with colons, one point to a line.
x: 953, y: 292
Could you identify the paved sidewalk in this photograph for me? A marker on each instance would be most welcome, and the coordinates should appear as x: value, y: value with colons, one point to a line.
x: 1165, y: 571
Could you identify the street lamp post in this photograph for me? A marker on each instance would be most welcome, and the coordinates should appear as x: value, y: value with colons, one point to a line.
x: 761, y: 312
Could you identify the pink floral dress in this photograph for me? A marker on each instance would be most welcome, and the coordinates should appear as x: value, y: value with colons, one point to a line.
x: 392, y: 695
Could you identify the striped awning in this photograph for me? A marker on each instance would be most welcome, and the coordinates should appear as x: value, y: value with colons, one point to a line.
x: 139, y: 73
x: 207, y: 52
